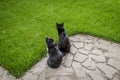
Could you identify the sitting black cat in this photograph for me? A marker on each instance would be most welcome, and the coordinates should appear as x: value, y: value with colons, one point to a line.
x: 55, y: 55
x: 64, y: 43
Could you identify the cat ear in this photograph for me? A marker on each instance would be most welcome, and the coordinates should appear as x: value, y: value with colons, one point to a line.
x: 62, y: 24
x: 52, y: 40
x: 57, y: 24
x: 46, y: 39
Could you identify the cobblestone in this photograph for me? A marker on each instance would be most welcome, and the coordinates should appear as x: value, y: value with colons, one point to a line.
x: 90, y: 58
x: 108, y: 70
x: 80, y: 57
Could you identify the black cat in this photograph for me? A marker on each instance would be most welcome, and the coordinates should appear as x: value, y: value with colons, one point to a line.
x: 55, y: 55
x: 64, y: 43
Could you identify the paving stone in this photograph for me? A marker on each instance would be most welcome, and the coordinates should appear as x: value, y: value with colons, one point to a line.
x: 89, y: 37
x: 7, y: 76
x: 108, y: 70
x: 89, y: 64
x: 80, y: 57
x: 98, y: 58
x: 102, y: 44
x: 68, y: 61
x: 96, y: 52
x: 60, y: 78
x: 116, y: 77
x: 64, y: 59
x: 50, y: 72
x: 64, y: 78
x: 83, y: 51
x: 106, y: 54
x: 87, y: 52
x: 42, y: 76
x: 89, y: 40
x: 114, y: 51
x: 78, y: 70
x: 83, y: 78
x: 1, y: 71
x: 41, y: 65
x: 18, y: 79
x: 53, y: 78
x: 30, y: 76
x: 88, y: 46
x: 94, y: 39
x: 111, y: 55
x: 10, y: 77
x: 63, y: 71
x: 78, y: 44
x: 74, y: 39
x: 80, y: 37
x: 101, y: 41
x: 114, y: 63
x: 73, y: 50
x: 95, y: 75
x: 3, y: 75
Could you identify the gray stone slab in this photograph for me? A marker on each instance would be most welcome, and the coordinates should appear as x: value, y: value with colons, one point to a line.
x: 116, y: 77
x: 89, y: 46
x: 96, y: 75
x: 114, y: 51
x: 89, y: 40
x: 63, y: 71
x: 89, y: 64
x: 80, y: 57
x: 7, y: 76
x: 78, y: 44
x: 73, y: 50
x: 74, y: 39
x: 42, y: 76
x: 98, y: 58
x: 96, y: 52
x: 30, y: 76
x: 108, y: 70
x: 83, y: 51
x: 39, y: 67
x: 1, y: 71
x: 68, y: 60
x: 91, y: 59
x: 114, y: 63
x: 80, y: 73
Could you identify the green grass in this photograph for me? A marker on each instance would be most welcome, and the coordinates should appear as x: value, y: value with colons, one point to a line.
x: 24, y: 24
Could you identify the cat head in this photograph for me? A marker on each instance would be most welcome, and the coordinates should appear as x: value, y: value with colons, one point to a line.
x: 49, y: 42
x: 60, y: 27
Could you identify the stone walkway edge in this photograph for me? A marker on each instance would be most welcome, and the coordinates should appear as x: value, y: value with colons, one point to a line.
x: 90, y: 58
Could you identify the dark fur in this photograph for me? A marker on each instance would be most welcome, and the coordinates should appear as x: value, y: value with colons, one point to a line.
x: 64, y: 43
x: 55, y: 55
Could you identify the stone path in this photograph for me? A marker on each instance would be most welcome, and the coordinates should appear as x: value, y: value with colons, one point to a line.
x: 90, y: 58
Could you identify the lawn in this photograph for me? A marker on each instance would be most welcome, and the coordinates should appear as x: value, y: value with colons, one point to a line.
x: 24, y: 24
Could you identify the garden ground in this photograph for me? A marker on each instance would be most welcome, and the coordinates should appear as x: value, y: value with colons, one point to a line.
x: 24, y: 24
